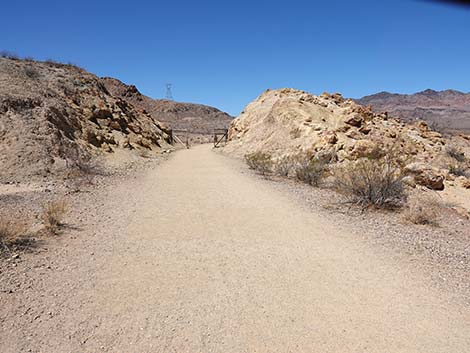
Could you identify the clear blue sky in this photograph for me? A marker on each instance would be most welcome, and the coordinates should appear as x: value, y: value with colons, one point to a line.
x: 225, y: 53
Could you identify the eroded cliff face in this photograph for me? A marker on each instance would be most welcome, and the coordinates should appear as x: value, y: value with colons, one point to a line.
x: 53, y: 116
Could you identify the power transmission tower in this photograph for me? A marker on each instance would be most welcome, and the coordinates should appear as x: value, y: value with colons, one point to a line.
x: 169, y: 95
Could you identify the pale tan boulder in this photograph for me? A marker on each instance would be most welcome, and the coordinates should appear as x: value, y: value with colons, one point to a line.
x: 426, y: 175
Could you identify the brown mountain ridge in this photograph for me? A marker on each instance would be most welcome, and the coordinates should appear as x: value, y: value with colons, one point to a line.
x: 447, y: 110
x: 198, y: 119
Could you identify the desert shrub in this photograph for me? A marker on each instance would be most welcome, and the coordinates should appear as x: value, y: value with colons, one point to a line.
x: 260, y: 161
x: 423, y: 209
x: 53, y: 215
x: 284, y: 165
x: 455, y: 153
x: 82, y: 170
x: 9, y: 231
x: 31, y: 72
x: 371, y: 182
x: 310, y: 170
x: 459, y: 169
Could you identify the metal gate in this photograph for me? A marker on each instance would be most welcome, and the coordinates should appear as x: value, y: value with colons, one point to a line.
x: 220, y: 135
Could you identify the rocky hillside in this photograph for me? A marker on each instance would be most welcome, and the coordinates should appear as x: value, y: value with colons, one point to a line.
x: 446, y: 110
x: 54, y: 117
x: 288, y: 122
x: 195, y: 118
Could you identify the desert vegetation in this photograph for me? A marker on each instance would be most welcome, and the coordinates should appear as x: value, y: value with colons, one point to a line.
x: 459, y: 164
x: 303, y: 167
x: 367, y: 182
x: 456, y: 153
x: 261, y: 162
x: 10, y: 231
x: 309, y: 170
x: 371, y: 182
x: 283, y: 165
x: 53, y: 215
x: 32, y: 72
x: 424, y: 209
x: 377, y: 181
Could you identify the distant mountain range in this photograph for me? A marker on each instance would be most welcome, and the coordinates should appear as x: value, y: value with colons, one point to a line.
x: 447, y: 110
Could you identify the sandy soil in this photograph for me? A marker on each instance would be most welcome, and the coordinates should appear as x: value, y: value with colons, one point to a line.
x: 197, y: 256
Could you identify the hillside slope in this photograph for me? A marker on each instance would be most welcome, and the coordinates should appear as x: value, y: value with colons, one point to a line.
x: 55, y: 116
x: 195, y: 118
x: 447, y: 110
x: 289, y: 122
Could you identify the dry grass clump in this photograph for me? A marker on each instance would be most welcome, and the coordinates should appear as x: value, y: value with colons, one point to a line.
x: 423, y: 209
x: 260, y: 161
x: 9, y: 232
x: 53, y: 215
x: 371, y: 183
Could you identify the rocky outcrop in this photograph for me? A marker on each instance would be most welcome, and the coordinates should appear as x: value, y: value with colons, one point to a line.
x: 52, y: 115
x: 287, y: 121
x: 426, y: 175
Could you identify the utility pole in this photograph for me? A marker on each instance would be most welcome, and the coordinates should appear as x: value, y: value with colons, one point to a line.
x: 169, y: 95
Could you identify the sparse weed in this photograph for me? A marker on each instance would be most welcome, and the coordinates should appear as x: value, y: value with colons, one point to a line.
x: 53, y: 215
x: 9, y: 232
x: 82, y: 169
x: 423, y: 209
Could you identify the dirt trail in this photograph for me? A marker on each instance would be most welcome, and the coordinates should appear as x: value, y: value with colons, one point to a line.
x: 206, y: 258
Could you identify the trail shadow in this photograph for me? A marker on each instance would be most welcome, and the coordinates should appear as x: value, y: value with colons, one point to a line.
x: 68, y: 226
x: 21, y: 244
